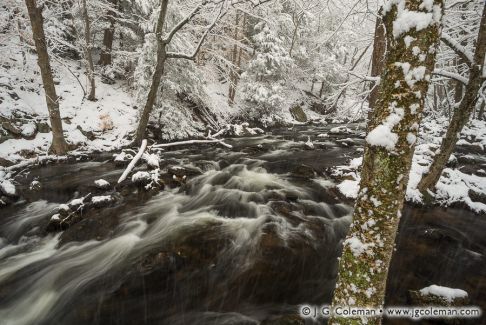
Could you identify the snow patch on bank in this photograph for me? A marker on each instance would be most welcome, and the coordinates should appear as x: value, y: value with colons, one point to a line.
x: 454, y: 186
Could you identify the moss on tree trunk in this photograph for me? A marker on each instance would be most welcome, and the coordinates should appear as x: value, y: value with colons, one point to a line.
x: 368, y: 248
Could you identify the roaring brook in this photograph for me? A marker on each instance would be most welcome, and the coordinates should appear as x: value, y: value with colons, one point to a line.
x: 251, y: 236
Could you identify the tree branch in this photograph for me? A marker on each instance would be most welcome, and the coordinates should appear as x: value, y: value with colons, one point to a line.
x: 183, y: 22
x: 460, y: 50
x: 172, y: 55
x: 451, y: 75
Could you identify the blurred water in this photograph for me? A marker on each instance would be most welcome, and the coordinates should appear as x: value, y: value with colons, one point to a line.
x: 248, y: 240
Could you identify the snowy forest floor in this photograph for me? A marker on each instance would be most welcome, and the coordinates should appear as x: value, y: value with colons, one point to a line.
x: 92, y: 126
x: 462, y: 182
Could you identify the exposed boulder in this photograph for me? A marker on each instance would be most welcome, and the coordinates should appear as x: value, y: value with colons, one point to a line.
x: 477, y: 196
x: 318, y: 107
x: 88, y: 134
x: 5, y: 162
x: 43, y: 127
x: 11, y: 128
x: 181, y: 171
x: 304, y: 171
x: 298, y: 114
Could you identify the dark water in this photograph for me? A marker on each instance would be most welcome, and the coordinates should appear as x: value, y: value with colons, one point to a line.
x: 247, y: 241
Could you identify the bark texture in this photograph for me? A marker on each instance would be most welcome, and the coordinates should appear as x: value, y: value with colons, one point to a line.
x: 108, y: 36
x: 461, y: 115
x: 157, y: 76
x: 377, y: 59
x: 368, y: 248
x: 234, y: 60
x: 58, y: 145
x: 87, y: 53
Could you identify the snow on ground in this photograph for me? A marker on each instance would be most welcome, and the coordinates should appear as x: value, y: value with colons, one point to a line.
x: 454, y: 186
x: 110, y: 118
x: 102, y: 125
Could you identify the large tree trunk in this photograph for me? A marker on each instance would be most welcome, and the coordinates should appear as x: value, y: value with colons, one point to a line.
x: 87, y: 52
x: 461, y: 115
x: 157, y: 76
x: 59, y: 145
x: 377, y: 59
x: 108, y: 35
x: 387, y: 160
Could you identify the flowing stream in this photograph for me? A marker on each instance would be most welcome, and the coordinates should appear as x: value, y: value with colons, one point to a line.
x: 247, y: 239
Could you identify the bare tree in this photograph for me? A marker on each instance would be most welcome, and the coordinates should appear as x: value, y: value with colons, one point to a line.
x: 87, y: 51
x: 108, y: 35
x: 163, y: 55
x: 236, y: 58
x: 58, y: 145
x: 463, y: 113
x: 387, y: 160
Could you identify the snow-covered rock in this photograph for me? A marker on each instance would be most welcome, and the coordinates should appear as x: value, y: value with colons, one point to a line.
x: 63, y: 210
x: 349, y: 188
x: 8, y: 188
x: 122, y: 158
x: 436, y: 295
x: 308, y: 144
x: 152, y: 160
x: 76, y: 202
x: 242, y: 129
x: 35, y: 185
x: 340, y: 130
x: 102, y: 184
x: 449, y: 294
x: 28, y: 130
x: 102, y: 200
x: 141, y: 177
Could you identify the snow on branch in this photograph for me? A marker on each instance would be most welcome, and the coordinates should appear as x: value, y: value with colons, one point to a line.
x: 201, y: 41
x: 452, y: 75
x: 460, y: 50
x: 134, y: 161
x: 182, y: 23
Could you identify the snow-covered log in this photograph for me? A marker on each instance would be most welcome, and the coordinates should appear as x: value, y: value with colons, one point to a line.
x: 134, y: 161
